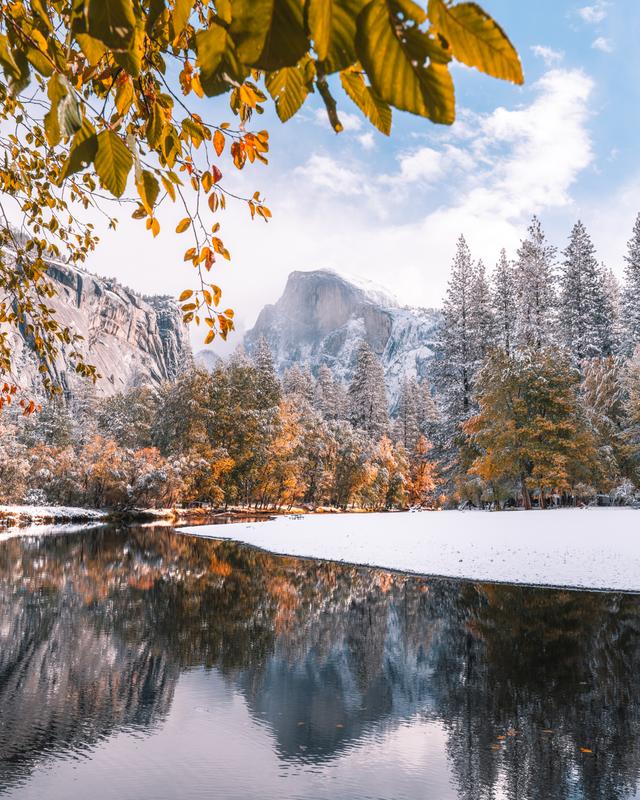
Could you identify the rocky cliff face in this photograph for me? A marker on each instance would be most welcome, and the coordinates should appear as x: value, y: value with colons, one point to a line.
x: 130, y: 339
x: 323, y: 316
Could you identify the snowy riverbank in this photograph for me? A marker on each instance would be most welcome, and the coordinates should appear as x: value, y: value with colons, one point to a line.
x: 41, y: 515
x: 596, y: 548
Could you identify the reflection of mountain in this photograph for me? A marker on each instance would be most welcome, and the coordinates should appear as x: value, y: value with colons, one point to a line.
x: 96, y: 628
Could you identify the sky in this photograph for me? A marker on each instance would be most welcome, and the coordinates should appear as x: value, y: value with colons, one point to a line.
x: 564, y: 147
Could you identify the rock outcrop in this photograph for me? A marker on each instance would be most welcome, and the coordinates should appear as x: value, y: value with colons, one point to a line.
x: 322, y: 317
x: 131, y: 340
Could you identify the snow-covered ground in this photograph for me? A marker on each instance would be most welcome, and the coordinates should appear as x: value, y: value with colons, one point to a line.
x: 42, y: 514
x: 596, y: 548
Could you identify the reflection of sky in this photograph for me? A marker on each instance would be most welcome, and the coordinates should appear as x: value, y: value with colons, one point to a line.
x: 210, y: 746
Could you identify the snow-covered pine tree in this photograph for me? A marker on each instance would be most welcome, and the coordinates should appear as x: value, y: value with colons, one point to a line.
x: 329, y: 397
x: 457, y: 352
x: 503, y: 302
x: 631, y: 291
x: 299, y: 381
x: 482, y: 320
x: 429, y: 416
x: 407, y: 426
x: 612, y: 293
x: 367, y: 396
x: 268, y: 384
x: 584, y: 313
x: 536, y: 296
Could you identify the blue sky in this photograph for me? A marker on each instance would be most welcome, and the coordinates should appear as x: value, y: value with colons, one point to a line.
x: 563, y: 146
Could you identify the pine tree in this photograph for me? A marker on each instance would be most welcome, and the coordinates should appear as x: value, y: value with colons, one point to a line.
x: 457, y: 352
x: 407, y: 426
x: 269, y: 390
x: 482, y: 320
x: 631, y: 291
x: 299, y: 381
x: 503, y: 302
x: 330, y: 398
x: 614, y: 306
x: 602, y: 395
x: 584, y: 312
x: 535, y: 286
x: 367, y: 396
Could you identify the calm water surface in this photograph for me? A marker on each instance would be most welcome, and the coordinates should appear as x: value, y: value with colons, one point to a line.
x: 140, y: 663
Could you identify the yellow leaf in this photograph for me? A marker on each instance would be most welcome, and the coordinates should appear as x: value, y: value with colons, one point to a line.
x: 185, y: 295
x: 476, y: 39
x: 319, y: 17
x: 183, y: 225
x: 396, y: 70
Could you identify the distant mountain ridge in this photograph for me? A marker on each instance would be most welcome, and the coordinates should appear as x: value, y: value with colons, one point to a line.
x: 132, y: 340
x: 322, y: 317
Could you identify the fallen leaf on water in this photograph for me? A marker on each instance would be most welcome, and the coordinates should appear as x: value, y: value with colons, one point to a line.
x: 495, y: 746
x: 586, y: 750
x: 501, y: 738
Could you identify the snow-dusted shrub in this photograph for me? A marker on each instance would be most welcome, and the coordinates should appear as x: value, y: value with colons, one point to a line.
x: 625, y: 494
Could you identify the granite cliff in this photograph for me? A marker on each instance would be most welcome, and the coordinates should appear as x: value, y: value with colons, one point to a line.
x: 322, y: 316
x: 132, y: 340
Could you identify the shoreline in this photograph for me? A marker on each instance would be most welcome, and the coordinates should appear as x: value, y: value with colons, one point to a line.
x: 589, y: 549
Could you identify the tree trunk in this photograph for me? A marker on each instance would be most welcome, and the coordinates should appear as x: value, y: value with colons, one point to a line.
x: 526, y: 497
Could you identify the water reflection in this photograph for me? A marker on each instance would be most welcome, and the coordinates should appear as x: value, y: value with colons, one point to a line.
x: 532, y: 693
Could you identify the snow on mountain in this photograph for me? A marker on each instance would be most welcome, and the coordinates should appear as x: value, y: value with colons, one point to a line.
x: 322, y: 317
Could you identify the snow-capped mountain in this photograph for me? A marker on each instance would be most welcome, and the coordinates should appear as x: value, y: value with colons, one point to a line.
x: 322, y: 317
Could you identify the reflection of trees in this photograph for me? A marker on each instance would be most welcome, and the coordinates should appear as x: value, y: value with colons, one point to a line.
x: 96, y: 628
x: 552, y: 672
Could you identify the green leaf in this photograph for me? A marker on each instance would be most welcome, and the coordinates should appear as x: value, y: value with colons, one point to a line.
x: 92, y: 48
x: 289, y: 87
x: 112, y: 22
x: 211, y: 45
x: 250, y: 23
x: 319, y: 22
x: 476, y: 39
x: 7, y: 60
x: 82, y: 151
x: 411, y: 10
x: 131, y: 59
x: 376, y: 110
x: 396, y: 68
x: 148, y: 189
x: 113, y: 162
x: 56, y: 90
x: 269, y: 34
x: 181, y: 13
x: 342, y: 48
x: 155, y: 124
x: 156, y: 7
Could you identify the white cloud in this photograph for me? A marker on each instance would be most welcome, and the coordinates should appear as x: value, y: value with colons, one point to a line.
x: 547, y: 54
x: 325, y: 172
x: 594, y: 13
x: 424, y: 164
x: 602, y: 44
x: 367, y: 141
